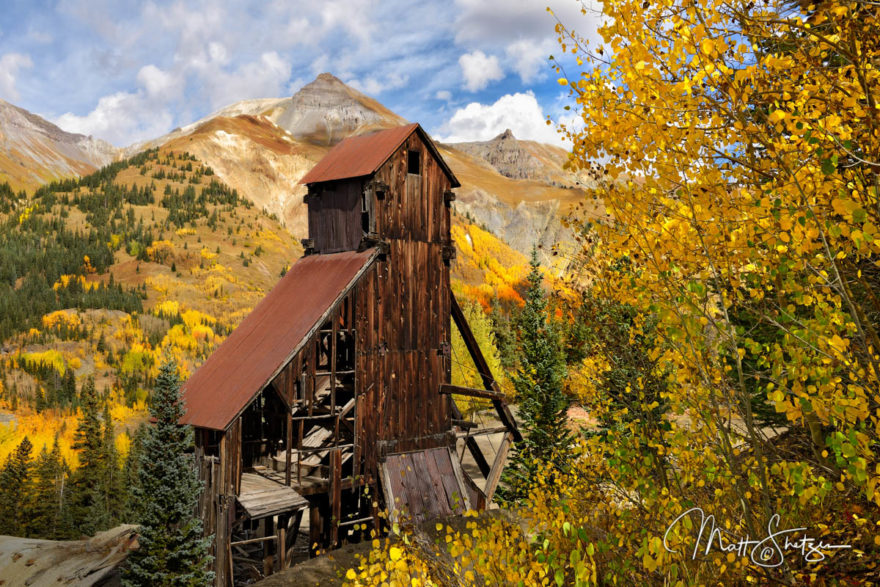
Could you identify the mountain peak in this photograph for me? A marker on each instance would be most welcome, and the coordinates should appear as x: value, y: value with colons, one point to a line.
x: 327, y: 110
x: 328, y: 77
x: 506, y: 135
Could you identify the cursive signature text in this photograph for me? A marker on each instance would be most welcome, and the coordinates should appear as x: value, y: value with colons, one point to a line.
x: 767, y: 552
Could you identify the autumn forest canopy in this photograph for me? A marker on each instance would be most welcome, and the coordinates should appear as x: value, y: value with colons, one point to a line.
x: 731, y: 346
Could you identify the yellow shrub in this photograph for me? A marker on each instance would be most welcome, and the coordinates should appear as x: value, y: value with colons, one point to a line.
x: 59, y: 318
x: 160, y: 251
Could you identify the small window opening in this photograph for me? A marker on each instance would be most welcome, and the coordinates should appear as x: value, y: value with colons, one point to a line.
x: 413, y: 161
x: 366, y: 213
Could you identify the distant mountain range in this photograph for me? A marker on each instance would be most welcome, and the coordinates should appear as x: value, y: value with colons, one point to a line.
x: 34, y: 151
x: 517, y: 189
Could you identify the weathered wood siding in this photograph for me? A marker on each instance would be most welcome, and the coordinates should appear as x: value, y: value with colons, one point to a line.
x: 410, y: 319
x: 335, y: 215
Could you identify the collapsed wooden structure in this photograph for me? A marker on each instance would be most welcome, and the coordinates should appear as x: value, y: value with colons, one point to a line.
x: 333, y: 395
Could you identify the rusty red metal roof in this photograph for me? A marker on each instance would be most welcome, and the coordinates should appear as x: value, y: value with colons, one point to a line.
x: 269, y: 337
x: 363, y: 155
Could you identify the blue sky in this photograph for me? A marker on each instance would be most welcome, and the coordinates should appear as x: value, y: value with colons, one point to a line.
x: 127, y: 71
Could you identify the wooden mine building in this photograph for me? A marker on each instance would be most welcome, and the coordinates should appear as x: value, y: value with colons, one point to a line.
x: 333, y: 396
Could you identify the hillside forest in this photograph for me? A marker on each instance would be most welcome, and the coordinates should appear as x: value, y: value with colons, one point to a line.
x: 150, y: 257
x: 719, y: 325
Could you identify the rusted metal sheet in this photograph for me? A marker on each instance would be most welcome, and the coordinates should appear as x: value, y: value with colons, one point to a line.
x: 270, y: 335
x: 363, y: 155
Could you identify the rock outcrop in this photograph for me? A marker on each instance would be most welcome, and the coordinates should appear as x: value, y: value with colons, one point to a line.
x: 326, y: 111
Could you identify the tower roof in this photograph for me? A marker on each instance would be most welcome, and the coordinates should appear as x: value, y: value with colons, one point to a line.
x: 363, y: 155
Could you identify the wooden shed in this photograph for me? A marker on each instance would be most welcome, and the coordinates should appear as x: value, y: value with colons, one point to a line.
x: 332, y: 397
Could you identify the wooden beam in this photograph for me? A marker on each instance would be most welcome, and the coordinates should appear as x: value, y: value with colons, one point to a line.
x: 473, y: 348
x: 497, y: 466
x: 447, y: 388
x: 471, y: 444
x: 507, y: 419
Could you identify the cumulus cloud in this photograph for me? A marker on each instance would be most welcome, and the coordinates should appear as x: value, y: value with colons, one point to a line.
x: 119, y: 118
x: 479, y: 69
x: 157, y: 83
x: 492, y: 22
x: 10, y: 65
x: 528, y: 58
x: 266, y: 77
x: 374, y: 85
x: 519, y: 112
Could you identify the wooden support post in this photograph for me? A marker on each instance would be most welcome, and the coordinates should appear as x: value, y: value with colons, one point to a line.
x: 335, y: 496
x: 497, y: 466
x: 483, y: 368
x: 288, y: 447
x: 316, y: 528
x: 294, y: 533
x: 268, y: 558
x: 282, y: 547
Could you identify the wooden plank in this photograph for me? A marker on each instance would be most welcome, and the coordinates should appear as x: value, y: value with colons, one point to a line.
x: 448, y: 388
x: 443, y: 500
x: 459, y: 476
x: 497, y: 467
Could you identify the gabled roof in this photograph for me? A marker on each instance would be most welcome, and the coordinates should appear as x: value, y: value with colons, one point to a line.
x: 269, y: 337
x: 363, y: 155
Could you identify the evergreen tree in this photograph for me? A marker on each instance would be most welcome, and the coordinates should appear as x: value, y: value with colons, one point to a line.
x: 112, y: 490
x: 14, y: 489
x: 172, y: 548
x: 539, y: 386
x: 131, y: 476
x: 46, y: 513
x: 86, y: 504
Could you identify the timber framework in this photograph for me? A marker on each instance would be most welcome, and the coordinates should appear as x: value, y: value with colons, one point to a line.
x: 332, y: 398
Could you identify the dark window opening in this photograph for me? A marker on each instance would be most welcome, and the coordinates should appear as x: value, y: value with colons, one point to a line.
x: 367, y: 222
x: 413, y: 161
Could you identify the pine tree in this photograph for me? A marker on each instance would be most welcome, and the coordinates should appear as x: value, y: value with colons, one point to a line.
x: 539, y: 386
x: 172, y: 548
x: 131, y: 476
x: 14, y: 489
x: 112, y: 490
x: 86, y: 507
x: 46, y: 510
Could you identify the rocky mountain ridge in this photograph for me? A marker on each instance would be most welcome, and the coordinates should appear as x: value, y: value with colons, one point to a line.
x: 517, y: 189
x: 34, y: 151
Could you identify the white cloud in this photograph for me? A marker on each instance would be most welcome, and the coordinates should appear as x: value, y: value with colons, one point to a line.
x: 444, y: 95
x: 519, y: 112
x: 120, y: 118
x: 528, y: 58
x: 158, y: 83
x: 10, y: 64
x: 479, y: 69
x: 373, y: 86
x: 265, y: 77
x: 493, y: 22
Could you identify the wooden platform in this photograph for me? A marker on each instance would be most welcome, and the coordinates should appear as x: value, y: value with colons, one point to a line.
x: 424, y: 484
x: 262, y: 497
